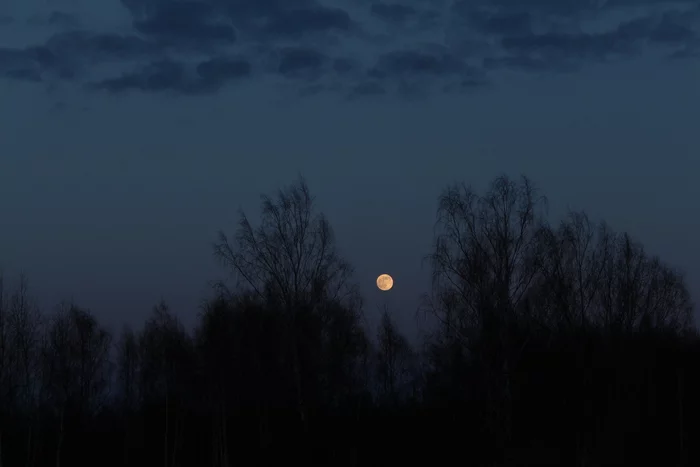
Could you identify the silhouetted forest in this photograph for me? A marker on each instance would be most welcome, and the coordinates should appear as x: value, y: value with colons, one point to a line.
x: 561, y: 343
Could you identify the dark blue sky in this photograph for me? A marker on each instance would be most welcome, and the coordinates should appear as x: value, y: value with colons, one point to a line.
x: 132, y: 130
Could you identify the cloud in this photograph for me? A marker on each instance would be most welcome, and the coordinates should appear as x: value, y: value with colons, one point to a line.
x: 299, y: 22
x: 179, y: 77
x: 186, y: 24
x: 563, y: 36
x: 66, y: 55
x: 416, y: 71
x: 359, y: 48
x: 215, y: 72
x: 99, y: 47
x: 408, y: 63
x: 393, y: 12
x: 165, y: 75
x: 301, y: 61
x: 33, y: 64
x: 367, y: 89
x: 566, y: 50
x: 63, y: 20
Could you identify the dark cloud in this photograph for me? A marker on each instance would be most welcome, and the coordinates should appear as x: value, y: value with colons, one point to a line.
x: 502, y: 23
x: 410, y: 17
x: 86, y: 45
x: 564, y: 50
x: 220, y: 70
x: 24, y: 74
x: 299, y: 22
x: 212, y: 19
x: 529, y: 64
x: 415, y: 72
x: 408, y: 63
x: 674, y: 28
x: 301, y: 62
x: 468, y: 83
x: 394, y: 12
x: 64, y: 55
x: 247, y: 10
x: 194, y: 24
x: 690, y: 50
x: 564, y: 47
x: 33, y: 64
x: 353, y: 46
x: 344, y: 65
x: 5, y: 20
x: 171, y: 76
x: 63, y: 20
x: 565, y: 8
x: 367, y: 89
x: 12, y: 60
x: 164, y: 75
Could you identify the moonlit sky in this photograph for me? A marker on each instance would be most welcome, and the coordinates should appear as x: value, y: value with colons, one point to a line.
x: 131, y: 131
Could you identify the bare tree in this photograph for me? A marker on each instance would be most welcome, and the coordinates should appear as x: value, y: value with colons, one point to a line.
x: 166, y: 356
x: 591, y: 275
x: 76, y: 366
x: 641, y: 291
x: 217, y: 345
x: 128, y: 363
x: 485, y: 260
x: 395, y: 360
x: 290, y: 262
x: 572, y: 264
x: 344, y: 351
x: 486, y: 253
x: 128, y: 366
x: 291, y: 256
x: 19, y: 319
x: 24, y: 320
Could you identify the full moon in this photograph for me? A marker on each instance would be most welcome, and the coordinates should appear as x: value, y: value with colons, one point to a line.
x: 385, y: 282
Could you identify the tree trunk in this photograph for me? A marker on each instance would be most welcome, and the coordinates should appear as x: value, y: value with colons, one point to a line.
x: 176, y: 437
x: 60, y: 439
x: 297, y: 371
x: 297, y: 377
x: 30, y: 453
x: 214, y: 443
x: 165, y: 437
x: 126, y: 441
x: 224, y: 440
x: 681, y: 434
x: 31, y: 449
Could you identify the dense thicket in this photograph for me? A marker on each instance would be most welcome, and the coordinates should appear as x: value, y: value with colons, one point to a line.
x: 560, y: 344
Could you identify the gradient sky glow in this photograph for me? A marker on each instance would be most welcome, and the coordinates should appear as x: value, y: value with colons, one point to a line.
x: 132, y: 130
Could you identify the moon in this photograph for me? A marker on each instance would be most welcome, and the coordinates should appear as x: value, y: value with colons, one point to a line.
x: 385, y: 282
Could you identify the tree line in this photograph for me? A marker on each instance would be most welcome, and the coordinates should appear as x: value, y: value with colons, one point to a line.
x: 547, y: 344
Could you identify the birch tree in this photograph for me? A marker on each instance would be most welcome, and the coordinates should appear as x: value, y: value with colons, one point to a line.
x: 290, y: 262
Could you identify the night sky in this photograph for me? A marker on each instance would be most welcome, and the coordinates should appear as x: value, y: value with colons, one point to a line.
x: 131, y: 131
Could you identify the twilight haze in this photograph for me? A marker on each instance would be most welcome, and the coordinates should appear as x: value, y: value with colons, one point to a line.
x: 133, y: 130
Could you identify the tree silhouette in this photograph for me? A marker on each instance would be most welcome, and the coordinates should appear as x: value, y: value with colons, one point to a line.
x: 485, y: 259
x: 128, y: 366
x: 167, y: 364
x: 76, y: 367
x: 290, y: 259
x: 553, y: 343
x: 290, y: 263
x: 394, y: 362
